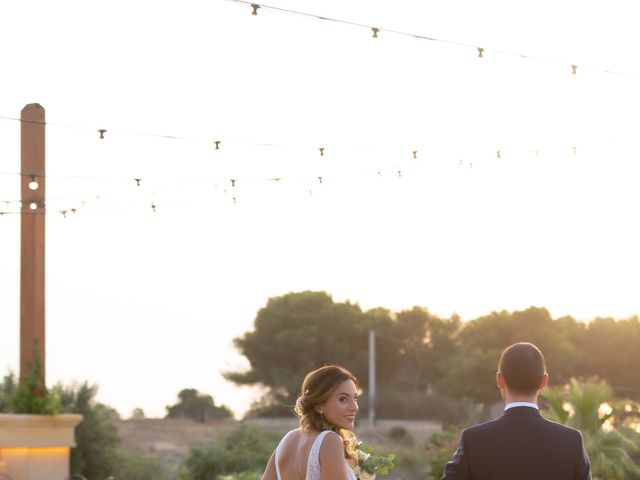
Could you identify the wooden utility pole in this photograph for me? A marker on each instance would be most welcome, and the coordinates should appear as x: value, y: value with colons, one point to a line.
x: 32, y: 245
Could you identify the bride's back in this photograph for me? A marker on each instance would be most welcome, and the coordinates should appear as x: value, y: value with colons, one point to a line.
x: 293, y: 454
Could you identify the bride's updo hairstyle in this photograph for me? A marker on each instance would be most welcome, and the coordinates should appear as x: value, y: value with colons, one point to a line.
x: 316, y: 389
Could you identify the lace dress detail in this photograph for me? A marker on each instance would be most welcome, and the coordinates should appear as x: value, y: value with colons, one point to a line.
x: 313, y: 464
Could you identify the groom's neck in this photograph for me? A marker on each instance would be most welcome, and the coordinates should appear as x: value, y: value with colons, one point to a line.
x: 510, y: 397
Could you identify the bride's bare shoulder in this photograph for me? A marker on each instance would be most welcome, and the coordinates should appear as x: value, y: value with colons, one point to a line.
x: 298, y: 437
x: 292, y: 435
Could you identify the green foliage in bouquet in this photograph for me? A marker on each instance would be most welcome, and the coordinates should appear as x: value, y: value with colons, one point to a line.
x: 370, y: 464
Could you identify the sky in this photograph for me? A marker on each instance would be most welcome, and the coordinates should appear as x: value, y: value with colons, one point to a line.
x: 145, y: 303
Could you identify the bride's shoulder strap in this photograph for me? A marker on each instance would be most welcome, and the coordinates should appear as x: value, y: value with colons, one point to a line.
x: 332, y: 454
x: 321, y: 436
x: 313, y: 462
x: 317, y: 444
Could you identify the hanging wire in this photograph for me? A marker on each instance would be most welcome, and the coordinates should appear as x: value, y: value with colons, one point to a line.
x: 140, y: 181
x: 480, y: 50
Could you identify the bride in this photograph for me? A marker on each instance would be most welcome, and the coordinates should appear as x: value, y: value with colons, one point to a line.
x: 321, y: 447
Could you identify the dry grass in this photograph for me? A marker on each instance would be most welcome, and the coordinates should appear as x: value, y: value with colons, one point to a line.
x: 158, y: 435
x: 171, y: 439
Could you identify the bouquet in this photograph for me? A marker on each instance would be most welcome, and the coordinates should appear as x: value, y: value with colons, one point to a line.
x: 370, y: 464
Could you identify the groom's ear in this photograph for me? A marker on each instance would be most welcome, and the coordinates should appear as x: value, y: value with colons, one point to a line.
x: 500, y: 380
x: 545, y: 380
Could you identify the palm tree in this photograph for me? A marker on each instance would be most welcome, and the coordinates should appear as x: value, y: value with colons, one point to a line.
x: 588, y: 407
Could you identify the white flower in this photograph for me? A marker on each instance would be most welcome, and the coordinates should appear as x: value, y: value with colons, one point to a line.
x: 362, y: 456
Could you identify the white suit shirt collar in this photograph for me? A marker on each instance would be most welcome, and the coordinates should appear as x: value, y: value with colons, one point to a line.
x: 520, y: 404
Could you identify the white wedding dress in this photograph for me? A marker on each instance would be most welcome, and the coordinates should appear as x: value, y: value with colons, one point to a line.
x: 313, y: 464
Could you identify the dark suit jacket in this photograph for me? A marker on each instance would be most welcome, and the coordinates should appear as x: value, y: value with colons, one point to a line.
x: 520, y: 445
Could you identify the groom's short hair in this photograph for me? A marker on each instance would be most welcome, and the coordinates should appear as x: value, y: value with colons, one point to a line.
x: 523, y: 367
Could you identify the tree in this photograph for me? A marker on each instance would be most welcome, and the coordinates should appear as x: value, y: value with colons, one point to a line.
x: 196, y: 406
x: 137, y: 414
x: 481, y: 341
x: 425, y: 344
x: 422, y: 353
x: 99, y: 452
x: 299, y: 332
x: 96, y: 437
x: 614, y: 354
x: 590, y: 407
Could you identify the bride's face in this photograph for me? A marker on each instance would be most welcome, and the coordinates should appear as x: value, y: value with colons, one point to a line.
x: 341, y: 407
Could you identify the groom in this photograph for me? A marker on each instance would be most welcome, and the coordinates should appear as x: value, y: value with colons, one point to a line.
x: 520, y: 445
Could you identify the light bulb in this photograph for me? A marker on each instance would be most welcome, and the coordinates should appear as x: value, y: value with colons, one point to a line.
x: 33, y: 184
x: 33, y: 206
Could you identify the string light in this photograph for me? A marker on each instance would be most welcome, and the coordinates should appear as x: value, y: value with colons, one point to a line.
x: 217, y: 181
x: 33, y: 184
x: 34, y: 178
x: 573, y: 69
x: 35, y: 208
x: 102, y: 131
x: 377, y: 30
x: 217, y: 143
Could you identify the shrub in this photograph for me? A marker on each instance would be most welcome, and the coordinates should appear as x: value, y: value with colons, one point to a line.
x: 440, y: 450
x: 414, y: 463
x: 137, y: 466
x: 246, y: 449
x: 400, y: 435
x: 31, y: 396
x: 422, y: 405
